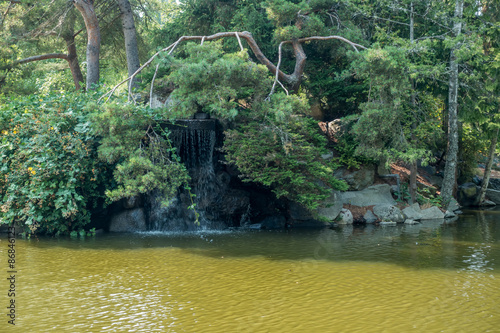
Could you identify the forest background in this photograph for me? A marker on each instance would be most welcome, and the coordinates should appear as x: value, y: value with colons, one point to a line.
x: 412, y: 81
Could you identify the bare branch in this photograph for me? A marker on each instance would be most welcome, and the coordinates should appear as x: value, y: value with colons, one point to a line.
x: 41, y: 57
x: 277, y: 72
x: 152, y: 85
x: 239, y: 41
x: 354, y: 45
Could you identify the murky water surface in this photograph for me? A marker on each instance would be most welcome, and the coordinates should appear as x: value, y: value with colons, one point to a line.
x: 426, y: 278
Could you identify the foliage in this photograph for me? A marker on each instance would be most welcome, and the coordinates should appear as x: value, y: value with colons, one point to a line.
x: 212, y: 81
x: 389, y: 126
x: 134, y: 141
x: 278, y: 148
x: 472, y: 147
x: 346, y: 146
x: 427, y: 198
x: 50, y: 177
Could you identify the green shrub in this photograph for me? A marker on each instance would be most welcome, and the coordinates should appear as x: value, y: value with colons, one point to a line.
x: 277, y: 147
x: 134, y: 141
x: 50, y: 177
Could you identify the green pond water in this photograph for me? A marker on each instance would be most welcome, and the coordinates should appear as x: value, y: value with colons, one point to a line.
x: 431, y: 277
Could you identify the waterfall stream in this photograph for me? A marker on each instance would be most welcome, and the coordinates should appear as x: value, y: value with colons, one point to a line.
x: 195, y: 141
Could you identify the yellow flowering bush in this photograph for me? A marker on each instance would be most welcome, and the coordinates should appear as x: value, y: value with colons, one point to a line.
x: 50, y: 176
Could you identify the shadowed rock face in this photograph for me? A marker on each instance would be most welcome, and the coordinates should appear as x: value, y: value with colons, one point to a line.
x: 467, y: 194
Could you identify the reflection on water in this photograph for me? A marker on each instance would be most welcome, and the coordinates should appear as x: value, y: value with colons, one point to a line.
x: 431, y: 277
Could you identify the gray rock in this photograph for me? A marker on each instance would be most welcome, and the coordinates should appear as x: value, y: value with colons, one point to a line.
x: 493, y: 195
x: 256, y: 226
x: 494, y: 184
x: 373, y: 195
x: 449, y: 214
x: 370, y: 217
x: 432, y: 213
x: 132, y: 202
x: 331, y: 207
x: 128, y: 221
x: 453, y: 205
x: 357, y: 179
x: 388, y: 213
x: 413, y: 212
x: 488, y: 203
x: 345, y: 217
x: 467, y: 194
x: 298, y: 212
x: 411, y: 222
x: 273, y: 222
x: 436, y: 181
x: 388, y: 224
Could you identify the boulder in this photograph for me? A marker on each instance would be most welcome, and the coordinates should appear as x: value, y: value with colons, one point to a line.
x: 273, y: 222
x: 467, y: 194
x: 411, y: 222
x: 453, y: 206
x: 436, y: 181
x: 388, y: 212
x: 345, y: 217
x: 128, y: 221
x: 370, y: 217
x: 413, y: 212
x: 493, y: 195
x: 449, y: 214
x: 132, y: 202
x: 432, y: 213
x: 488, y: 203
x: 494, y: 184
x: 331, y: 207
x: 373, y: 195
x: 298, y: 212
x: 357, y: 179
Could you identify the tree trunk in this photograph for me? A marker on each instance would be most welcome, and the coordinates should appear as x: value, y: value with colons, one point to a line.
x: 413, y: 165
x: 86, y: 8
x: 69, y: 37
x: 130, y: 35
x: 452, y: 151
x: 487, y: 170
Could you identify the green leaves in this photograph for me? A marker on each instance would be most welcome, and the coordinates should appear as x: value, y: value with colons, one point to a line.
x: 279, y: 148
x: 50, y: 177
x: 140, y: 149
x: 208, y: 80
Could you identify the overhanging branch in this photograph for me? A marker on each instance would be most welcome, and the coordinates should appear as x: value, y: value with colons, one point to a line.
x: 41, y: 57
x: 292, y: 79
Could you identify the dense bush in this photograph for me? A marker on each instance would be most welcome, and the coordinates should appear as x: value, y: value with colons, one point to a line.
x: 50, y: 177
x: 145, y: 160
x: 278, y: 147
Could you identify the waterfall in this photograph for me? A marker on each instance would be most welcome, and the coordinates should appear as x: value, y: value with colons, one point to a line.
x: 195, y: 141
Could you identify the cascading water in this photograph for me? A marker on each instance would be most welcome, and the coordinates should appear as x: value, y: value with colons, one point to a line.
x: 195, y: 141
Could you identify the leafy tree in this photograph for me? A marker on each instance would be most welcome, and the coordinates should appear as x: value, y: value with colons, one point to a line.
x: 389, y: 128
x: 270, y: 142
